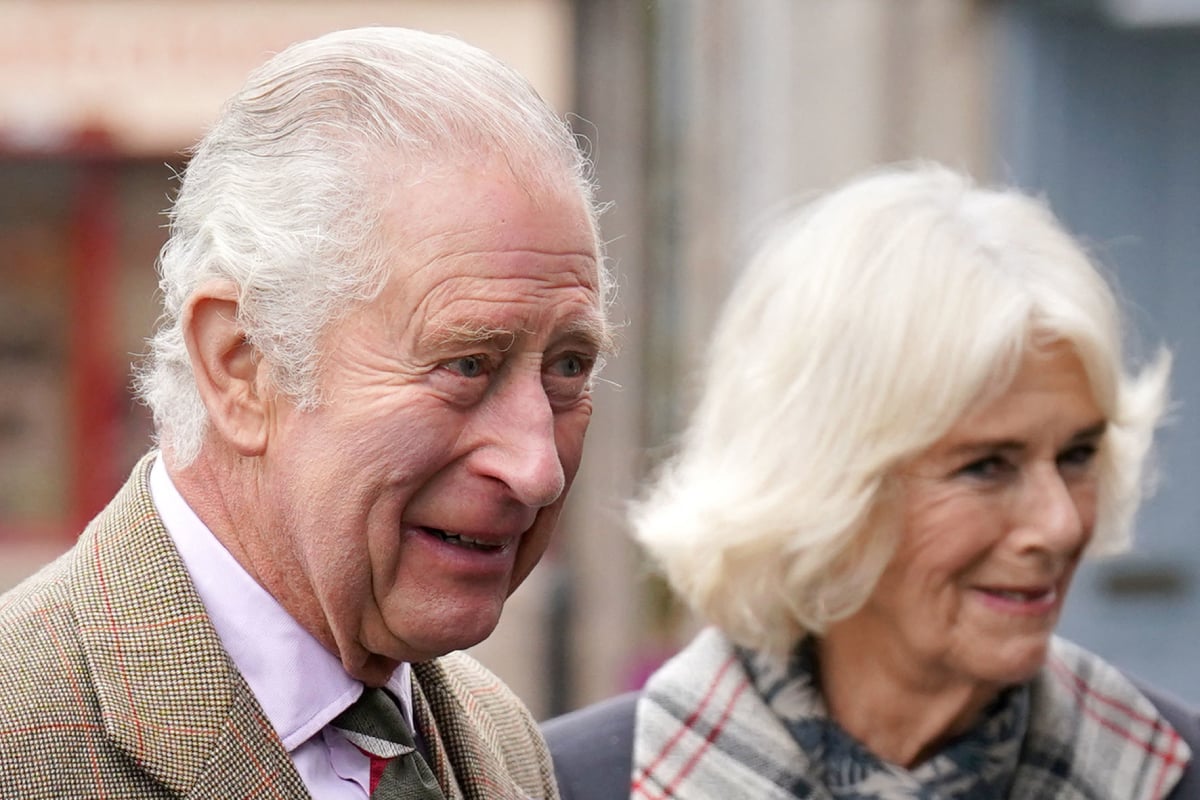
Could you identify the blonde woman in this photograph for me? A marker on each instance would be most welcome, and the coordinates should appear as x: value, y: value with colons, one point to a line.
x: 916, y: 419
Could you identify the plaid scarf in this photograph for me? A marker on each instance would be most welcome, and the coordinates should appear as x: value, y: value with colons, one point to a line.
x: 978, y: 765
x: 714, y: 723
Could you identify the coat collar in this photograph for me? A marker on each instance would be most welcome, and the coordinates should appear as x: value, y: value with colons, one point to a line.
x: 168, y: 694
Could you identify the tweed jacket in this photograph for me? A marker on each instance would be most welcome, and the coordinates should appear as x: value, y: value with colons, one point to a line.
x: 114, y: 684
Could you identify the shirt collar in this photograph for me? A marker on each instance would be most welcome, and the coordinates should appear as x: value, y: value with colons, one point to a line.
x: 300, y: 685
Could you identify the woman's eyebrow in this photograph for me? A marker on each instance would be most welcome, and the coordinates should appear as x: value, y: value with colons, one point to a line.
x: 1088, y: 433
x: 1093, y: 431
x: 982, y: 445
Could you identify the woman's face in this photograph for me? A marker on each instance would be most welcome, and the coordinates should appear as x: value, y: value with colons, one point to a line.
x: 995, y: 516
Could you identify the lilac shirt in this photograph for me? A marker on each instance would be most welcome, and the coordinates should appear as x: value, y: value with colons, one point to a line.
x: 300, y: 685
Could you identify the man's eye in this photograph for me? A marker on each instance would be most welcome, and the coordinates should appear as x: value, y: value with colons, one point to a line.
x: 468, y: 366
x: 568, y: 376
x: 573, y: 365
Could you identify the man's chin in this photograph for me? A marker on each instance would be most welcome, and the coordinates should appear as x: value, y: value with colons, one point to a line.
x: 374, y: 671
x: 385, y: 656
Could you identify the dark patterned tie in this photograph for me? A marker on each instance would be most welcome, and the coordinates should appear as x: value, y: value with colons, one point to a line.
x: 375, y: 725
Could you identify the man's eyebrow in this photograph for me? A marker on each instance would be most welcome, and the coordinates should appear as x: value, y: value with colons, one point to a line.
x: 469, y: 333
x: 591, y: 332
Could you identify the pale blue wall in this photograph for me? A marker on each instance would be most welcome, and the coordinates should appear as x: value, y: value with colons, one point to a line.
x: 1105, y: 121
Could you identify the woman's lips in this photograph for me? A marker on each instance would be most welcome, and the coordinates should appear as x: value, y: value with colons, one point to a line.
x: 1020, y: 594
x: 1020, y: 600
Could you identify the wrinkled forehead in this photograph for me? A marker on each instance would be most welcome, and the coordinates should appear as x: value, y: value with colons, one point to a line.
x: 484, y: 236
x: 452, y: 195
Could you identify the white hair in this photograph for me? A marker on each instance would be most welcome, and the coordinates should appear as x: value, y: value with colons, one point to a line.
x: 283, y: 196
x: 864, y: 328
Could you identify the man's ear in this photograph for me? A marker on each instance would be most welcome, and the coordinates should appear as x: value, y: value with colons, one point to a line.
x: 226, y: 368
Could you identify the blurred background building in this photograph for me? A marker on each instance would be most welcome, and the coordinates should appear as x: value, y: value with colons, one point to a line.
x: 703, y: 116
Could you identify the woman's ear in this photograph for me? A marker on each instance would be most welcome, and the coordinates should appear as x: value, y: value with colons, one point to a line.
x: 226, y: 368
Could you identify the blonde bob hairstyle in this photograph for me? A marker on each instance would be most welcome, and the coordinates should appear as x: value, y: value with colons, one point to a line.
x: 865, y: 326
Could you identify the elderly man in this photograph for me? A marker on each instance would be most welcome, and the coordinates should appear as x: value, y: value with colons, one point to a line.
x: 384, y: 306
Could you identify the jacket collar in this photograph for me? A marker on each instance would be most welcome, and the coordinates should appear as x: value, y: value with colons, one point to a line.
x: 169, y: 696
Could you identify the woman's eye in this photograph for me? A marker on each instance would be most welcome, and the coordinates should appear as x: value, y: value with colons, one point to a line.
x: 987, y: 468
x: 468, y: 366
x: 1078, y: 456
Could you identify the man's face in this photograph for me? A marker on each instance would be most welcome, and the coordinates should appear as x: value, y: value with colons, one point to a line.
x: 426, y: 486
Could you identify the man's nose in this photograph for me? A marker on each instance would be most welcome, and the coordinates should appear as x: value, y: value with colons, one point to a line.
x: 522, y: 452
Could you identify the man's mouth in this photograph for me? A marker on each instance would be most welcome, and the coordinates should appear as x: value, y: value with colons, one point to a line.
x: 459, y: 540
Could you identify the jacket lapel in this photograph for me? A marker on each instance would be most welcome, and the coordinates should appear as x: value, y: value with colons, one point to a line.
x: 437, y: 747
x: 168, y: 694
x: 467, y: 768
